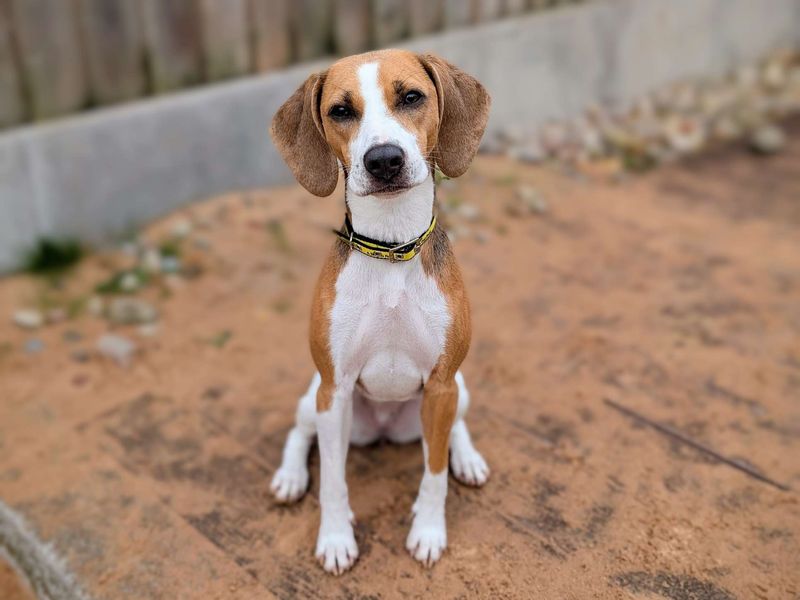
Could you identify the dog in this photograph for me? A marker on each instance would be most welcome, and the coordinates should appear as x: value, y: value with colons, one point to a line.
x: 390, y: 319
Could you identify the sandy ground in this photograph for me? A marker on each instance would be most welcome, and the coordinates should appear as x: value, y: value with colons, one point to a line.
x: 675, y: 293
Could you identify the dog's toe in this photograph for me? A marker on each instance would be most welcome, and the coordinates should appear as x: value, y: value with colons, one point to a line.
x: 469, y: 468
x: 289, y: 485
x: 427, y: 543
x: 337, y: 552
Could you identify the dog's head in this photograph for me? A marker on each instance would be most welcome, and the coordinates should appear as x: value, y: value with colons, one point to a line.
x: 387, y: 116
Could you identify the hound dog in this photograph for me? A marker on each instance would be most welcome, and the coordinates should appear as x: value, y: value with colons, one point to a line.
x: 390, y: 323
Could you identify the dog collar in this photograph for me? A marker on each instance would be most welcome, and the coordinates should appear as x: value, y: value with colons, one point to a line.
x: 385, y: 251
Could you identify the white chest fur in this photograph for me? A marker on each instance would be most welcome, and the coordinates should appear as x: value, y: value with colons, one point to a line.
x: 388, y: 326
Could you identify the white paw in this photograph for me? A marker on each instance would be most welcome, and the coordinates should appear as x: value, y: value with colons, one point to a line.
x: 427, y: 542
x: 337, y: 551
x: 289, y: 484
x: 469, y: 467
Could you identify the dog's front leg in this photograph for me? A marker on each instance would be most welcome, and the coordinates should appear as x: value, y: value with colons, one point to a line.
x: 428, y: 536
x: 336, y: 544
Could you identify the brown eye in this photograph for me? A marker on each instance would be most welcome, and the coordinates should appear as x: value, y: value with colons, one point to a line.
x: 340, y: 112
x: 412, y: 97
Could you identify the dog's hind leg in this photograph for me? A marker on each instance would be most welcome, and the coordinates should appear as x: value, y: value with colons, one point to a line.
x: 466, y: 462
x: 290, y: 481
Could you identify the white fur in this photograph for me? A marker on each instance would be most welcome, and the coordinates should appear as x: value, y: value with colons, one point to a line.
x: 388, y: 328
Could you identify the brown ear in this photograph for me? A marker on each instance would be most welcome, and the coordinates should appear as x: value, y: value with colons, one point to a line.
x: 463, y: 112
x: 297, y: 132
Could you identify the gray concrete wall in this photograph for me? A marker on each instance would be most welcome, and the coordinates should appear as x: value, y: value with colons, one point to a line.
x: 104, y: 173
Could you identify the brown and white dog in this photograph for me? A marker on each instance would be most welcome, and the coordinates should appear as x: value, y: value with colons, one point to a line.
x: 387, y: 337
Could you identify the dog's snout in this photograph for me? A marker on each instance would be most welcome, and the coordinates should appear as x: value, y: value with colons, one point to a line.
x: 384, y: 161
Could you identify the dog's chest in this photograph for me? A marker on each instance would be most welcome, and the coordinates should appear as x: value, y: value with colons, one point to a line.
x: 388, y: 326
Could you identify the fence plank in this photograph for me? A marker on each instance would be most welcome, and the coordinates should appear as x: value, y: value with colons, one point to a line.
x: 174, y: 48
x: 389, y: 21
x: 12, y: 109
x: 516, y: 7
x: 312, y: 28
x: 425, y: 16
x: 351, y: 26
x: 225, y: 38
x: 270, y: 31
x: 114, y: 46
x: 457, y: 13
x: 50, y: 54
x: 487, y: 10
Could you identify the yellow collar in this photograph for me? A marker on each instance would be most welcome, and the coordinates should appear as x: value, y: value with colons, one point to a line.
x: 391, y: 252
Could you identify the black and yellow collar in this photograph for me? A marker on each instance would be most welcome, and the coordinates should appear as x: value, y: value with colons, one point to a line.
x: 385, y: 251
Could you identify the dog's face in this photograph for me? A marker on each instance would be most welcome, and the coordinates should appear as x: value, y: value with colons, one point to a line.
x: 387, y: 117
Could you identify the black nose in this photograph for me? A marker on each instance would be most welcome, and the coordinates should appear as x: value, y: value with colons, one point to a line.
x: 384, y: 161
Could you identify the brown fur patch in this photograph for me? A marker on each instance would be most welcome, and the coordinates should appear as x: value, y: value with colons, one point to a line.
x: 464, y: 110
x: 440, y: 395
x: 319, y: 334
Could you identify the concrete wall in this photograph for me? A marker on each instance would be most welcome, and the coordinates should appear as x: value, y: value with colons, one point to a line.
x: 101, y: 174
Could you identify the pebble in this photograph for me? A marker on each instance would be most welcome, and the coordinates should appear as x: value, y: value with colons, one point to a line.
x: 151, y: 261
x: 81, y: 356
x: 72, y: 336
x: 95, y: 306
x: 468, y: 212
x: 767, y: 139
x: 181, y: 228
x: 28, y: 318
x: 33, y: 346
x: 532, y: 199
x: 131, y: 311
x: 117, y: 348
x: 148, y: 330
x: 170, y: 264
x: 130, y: 282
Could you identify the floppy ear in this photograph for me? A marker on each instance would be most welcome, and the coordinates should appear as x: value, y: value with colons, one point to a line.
x: 297, y: 132
x: 463, y: 112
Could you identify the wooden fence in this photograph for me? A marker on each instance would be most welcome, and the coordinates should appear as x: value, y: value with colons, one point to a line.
x: 63, y: 56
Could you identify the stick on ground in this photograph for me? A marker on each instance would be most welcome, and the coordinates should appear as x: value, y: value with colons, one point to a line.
x: 681, y: 437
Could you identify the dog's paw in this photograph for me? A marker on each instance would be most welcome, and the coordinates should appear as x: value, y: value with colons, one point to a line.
x: 426, y: 542
x: 469, y: 467
x: 337, y: 551
x: 289, y: 484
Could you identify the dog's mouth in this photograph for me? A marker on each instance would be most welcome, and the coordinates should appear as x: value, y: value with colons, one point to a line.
x: 389, y: 190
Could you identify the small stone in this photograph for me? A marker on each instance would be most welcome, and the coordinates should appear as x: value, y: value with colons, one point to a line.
x: 131, y: 311
x: 151, y: 261
x: 181, y: 228
x: 71, y: 336
x: 148, y: 330
x: 129, y: 282
x: 95, y: 306
x: 468, y: 212
x: 81, y: 356
x: 33, y: 346
x: 28, y: 319
x: 532, y: 199
x: 726, y: 128
x: 774, y: 75
x: 767, y: 139
x: 685, y: 134
x: 117, y: 348
x: 170, y: 264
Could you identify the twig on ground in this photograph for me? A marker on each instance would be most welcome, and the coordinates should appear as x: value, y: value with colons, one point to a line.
x: 681, y: 437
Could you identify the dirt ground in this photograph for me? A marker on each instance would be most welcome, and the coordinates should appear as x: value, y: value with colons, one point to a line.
x: 675, y: 293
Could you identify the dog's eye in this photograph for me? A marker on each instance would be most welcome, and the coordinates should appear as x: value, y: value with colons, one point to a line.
x: 340, y: 112
x: 412, y: 97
